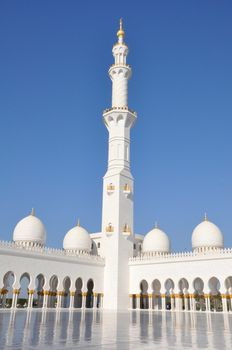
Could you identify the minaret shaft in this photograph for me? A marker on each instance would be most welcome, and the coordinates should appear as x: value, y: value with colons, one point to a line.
x: 117, y: 211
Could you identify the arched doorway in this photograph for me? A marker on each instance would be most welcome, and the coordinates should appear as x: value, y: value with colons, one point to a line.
x: 156, y: 295
x: 228, y: 285
x: 184, y: 294
x: 7, y: 290
x: 23, y: 294
x: 78, y: 293
x: 169, y: 294
x: 89, y: 296
x: 215, y: 295
x: 143, y: 295
x: 52, y: 298
x: 38, y: 298
x: 66, y: 297
x: 199, y: 298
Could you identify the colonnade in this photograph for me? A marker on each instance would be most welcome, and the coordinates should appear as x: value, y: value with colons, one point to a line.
x: 199, y: 295
x: 48, y: 293
x: 46, y: 299
x: 59, y: 296
x: 181, y: 302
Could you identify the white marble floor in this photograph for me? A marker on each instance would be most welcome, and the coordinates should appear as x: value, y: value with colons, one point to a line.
x: 132, y: 330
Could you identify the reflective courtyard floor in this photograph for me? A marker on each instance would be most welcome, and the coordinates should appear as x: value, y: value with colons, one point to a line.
x: 134, y: 330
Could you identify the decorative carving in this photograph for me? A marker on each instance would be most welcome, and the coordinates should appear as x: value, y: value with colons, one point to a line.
x: 127, y: 190
x: 110, y: 188
x: 109, y: 228
x: 126, y: 230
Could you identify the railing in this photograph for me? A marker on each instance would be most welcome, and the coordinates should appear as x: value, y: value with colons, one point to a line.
x: 51, y: 251
x: 120, y: 65
x: 180, y: 255
x: 125, y: 108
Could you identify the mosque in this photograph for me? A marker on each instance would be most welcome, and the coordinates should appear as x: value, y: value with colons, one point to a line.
x: 116, y: 268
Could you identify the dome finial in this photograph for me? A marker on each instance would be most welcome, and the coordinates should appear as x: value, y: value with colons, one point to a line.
x: 206, y: 217
x: 33, y: 211
x: 120, y: 32
x: 78, y: 222
x: 120, y: 21
x: 156, y: 224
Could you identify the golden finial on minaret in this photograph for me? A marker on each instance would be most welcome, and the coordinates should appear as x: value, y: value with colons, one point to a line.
x: 78, y: 223
x: 121, y: 31
x: 33, y: 211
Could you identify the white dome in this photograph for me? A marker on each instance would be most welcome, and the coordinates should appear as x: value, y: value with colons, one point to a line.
x: 156, y: 241
x: 31, y: 230
x: 207, y: 235
x: 77, y: 239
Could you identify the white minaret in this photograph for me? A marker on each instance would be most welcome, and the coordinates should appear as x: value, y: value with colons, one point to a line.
x: 117, y: 211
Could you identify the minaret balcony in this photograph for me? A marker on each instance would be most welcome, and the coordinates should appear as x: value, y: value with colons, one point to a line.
x: 110, y: 189
x: 119, y: 65
x: 126, y: 230
x: 109, y: 229
x: 123, y: 108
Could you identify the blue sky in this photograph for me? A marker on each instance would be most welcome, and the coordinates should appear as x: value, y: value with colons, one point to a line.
x: 54, y: 86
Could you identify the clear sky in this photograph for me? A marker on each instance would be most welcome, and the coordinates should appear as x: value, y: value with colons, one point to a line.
x: 54, y: 86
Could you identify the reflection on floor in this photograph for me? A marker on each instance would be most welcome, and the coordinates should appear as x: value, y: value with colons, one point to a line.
x: 107, y: 330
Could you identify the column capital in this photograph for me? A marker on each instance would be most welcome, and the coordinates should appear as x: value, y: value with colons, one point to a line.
x: 3, y: 291
x: 30, y: 291
x: 179, y: 295
x: 72, y: 294
x: 16, y: 291
x: 60, y: 292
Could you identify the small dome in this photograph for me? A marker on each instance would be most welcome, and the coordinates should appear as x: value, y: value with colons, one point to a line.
x: 207, y: 235
x: 77, y: 239
x: 30, y: 230
x: 156, y: 241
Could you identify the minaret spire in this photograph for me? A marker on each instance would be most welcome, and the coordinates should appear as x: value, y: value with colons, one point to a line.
x: 120, y: 32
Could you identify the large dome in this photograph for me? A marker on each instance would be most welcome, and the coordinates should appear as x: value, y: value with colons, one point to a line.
x: 156, y: 241
x: 77, y: 239
x: 207, y: 235
x: 30, y: 230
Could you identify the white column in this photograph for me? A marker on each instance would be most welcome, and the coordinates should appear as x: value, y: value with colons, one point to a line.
x: 224, y: 303
x: 137, y: 301
x: 178, y: 298
x: 15, y: 298
x: 83, y: 300
x: 30, y: 298
x: 192, y: 302
x: 72, y: 296
x: 172, y: 296
x: 95, y: 300
x: 59, y: 299
x: 163, y: 299
x: 101, y: 300
x: 207, y: 302
x: 3, y: 296
x: 150, y: 301
x: 186, y: 306
x: 45, y: 299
